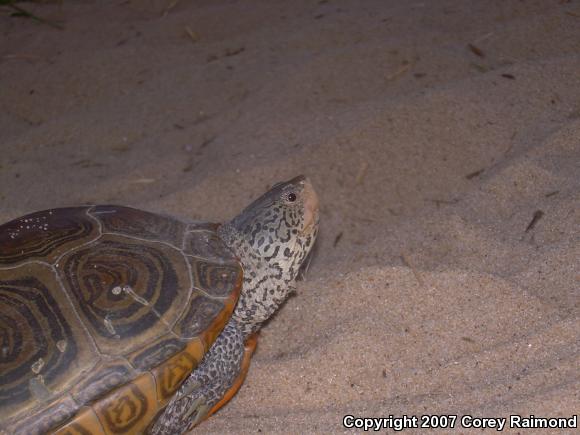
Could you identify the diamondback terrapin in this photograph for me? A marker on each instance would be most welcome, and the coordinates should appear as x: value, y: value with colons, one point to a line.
x: 116, y: 320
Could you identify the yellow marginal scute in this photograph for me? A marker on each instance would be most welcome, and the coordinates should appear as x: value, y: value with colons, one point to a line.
x: 211, y: 333
x: 216, y: 327
x: 170, y: 375
x: 85, y: 422
x: 130, y: 408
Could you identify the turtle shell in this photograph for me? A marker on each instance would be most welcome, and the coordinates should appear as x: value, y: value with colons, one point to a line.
x: 104, y: 312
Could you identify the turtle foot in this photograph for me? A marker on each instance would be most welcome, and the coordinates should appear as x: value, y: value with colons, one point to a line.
x: 206, y: 386
x: 197, y: 411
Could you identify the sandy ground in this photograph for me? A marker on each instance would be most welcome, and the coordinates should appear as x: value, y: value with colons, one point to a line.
x: 443, y: 139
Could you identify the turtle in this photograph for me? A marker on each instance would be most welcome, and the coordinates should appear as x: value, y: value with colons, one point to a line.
x: 117, y: 320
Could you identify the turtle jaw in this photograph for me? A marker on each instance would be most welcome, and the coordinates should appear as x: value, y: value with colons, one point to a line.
x: 311, y: 207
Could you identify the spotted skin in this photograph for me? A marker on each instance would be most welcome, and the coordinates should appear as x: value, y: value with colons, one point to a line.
x: 268, y: 284
x: 206, y: 385
x: 271, y: 238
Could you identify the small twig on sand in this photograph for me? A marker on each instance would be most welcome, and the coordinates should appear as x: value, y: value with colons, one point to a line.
x: 143, y: 181
x: 337, y: 239
x: 168, y: 8
x: 483, y: 38
x: 411, y: 265
x: 21, y: 56
x: 537, y: 216
x: 439, y: 202
x: 402, y: 70
x: 474, y: 174
x: 476, y: 50
x: 361, y: 172
x: 194, y: 36
x: 24, y: 13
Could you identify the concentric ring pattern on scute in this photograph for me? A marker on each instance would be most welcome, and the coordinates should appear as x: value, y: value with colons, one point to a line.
x: 39, y: 338
x: 44, y: 235
x: 104, y: 311
x: 31, y: 324
x: 122, y: 288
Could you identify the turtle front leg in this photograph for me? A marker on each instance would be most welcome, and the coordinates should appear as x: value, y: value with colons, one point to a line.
x: 249, y: 348
x: 215, y: 381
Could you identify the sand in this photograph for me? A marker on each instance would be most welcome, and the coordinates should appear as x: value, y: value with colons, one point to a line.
x: 442, y: 138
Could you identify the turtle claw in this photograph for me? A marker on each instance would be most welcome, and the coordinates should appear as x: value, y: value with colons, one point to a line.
x: 199, y: 407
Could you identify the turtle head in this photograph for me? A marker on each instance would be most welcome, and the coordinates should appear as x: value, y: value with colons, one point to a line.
x: 278, y: 228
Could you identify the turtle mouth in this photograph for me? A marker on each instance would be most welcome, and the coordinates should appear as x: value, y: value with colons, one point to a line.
x: 311, y: 207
